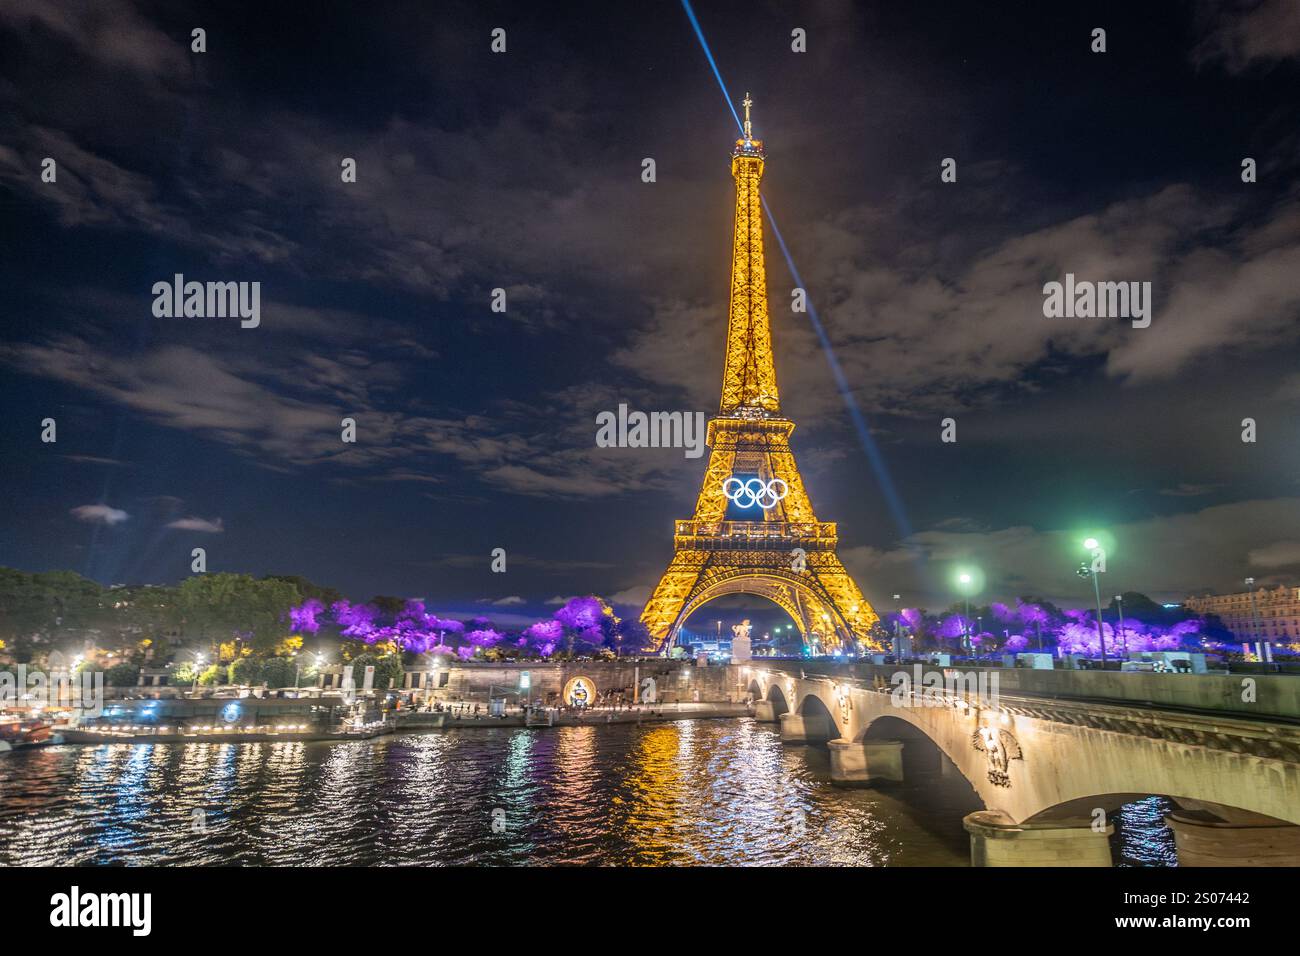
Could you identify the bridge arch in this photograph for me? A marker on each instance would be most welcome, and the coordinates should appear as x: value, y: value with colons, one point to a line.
x: 780, y: 705
x: 819, y: 721
x: 921, y: 751
x: 816, y: 615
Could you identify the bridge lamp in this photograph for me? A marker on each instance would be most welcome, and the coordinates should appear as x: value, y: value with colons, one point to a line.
x: 1093, y: 545
x: 966, y: 583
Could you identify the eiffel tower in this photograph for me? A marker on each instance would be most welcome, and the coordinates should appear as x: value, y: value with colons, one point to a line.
x: 754, y: 529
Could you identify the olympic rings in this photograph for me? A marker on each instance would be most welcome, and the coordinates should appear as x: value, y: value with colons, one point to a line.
x: 746, y: 494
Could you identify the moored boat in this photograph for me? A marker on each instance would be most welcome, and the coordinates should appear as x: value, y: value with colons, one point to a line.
x: 16, y: 732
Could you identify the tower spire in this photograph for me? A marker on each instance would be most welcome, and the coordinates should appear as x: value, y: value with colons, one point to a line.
x: 749, y: 377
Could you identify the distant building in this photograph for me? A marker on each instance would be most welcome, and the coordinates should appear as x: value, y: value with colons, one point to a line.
x: 1276, y: 614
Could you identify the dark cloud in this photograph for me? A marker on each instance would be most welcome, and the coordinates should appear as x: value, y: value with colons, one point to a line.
x: 476, y: 429
x: 1246, y: 32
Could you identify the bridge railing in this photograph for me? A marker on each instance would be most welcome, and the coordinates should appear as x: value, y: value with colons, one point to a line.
x: 1263, y: 696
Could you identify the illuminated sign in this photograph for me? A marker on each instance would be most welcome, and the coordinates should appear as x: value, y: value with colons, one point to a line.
x: 746, y: 494
x: 580, y: 692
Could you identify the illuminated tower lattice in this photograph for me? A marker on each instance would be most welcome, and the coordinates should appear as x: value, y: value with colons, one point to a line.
x: 717, y: 553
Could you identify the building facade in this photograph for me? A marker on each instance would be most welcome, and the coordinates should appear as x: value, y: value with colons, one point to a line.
x: 1275, y: 615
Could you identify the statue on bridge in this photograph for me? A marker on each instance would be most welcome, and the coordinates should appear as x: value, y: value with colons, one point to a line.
x: 1001, y: 748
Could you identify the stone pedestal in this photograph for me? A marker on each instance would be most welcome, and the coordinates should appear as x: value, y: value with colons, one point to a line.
x: 801, y: 728
x: 1218, y: 843
x: 765, y: 711
x: 865, y: 762
x: 996, y: 841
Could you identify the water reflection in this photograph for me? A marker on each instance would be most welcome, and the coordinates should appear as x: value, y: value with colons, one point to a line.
x: 1141, y: 837
x: 688, y: 792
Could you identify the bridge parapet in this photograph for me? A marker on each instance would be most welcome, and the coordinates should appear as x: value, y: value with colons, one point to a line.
x: 1254, y: 696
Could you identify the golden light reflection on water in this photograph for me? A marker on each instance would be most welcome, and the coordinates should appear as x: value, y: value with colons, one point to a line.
x: 692, y: 792
x: 653, y: 817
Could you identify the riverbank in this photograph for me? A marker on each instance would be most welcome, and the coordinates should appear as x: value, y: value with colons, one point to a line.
x: 418, y: 722
x: 644, y: 713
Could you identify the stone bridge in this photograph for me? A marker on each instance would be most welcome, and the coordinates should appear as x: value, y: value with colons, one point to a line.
x: 1050, y: 767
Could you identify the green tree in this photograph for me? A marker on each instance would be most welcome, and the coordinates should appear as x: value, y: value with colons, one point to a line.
x: 215, y: 606
x: 212, y: 676
x: 389, y: 672
x: 122, y: 675
x: 182, y: 675
x: 245, y: 670
x: 35, y: 608
x: 278, y: 672
x: 390, y: 606
x: 306, y: 589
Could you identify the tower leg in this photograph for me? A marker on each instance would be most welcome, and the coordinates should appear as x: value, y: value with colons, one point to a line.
x: 670, y: 596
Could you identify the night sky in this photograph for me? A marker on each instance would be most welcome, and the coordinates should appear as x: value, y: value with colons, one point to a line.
x: 522, y: 171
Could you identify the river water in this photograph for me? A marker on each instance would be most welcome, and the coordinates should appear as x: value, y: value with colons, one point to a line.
x: 688, y: 792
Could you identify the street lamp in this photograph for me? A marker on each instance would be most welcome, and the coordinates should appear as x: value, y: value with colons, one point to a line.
x: 1086, y: 569
x: 199, y: 661
x: 1123, y: 635
x: 964, y: 579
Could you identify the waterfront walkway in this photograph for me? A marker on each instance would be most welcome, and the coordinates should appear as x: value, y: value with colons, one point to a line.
x: 594, y: 716
x: 424, y: 721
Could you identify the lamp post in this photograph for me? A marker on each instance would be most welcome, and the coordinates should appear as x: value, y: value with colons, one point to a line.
x: 1085, y: 569
x: 964, y: 579
x: 199, y: 661
x: 1123, y: 635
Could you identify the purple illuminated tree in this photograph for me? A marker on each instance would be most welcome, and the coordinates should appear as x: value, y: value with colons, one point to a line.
x: 304, y: 618
x: 484, y: 638
x: 544, y: 637
x: 952, y: 627
x: 1035, y: 616
x: 587, y: 621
